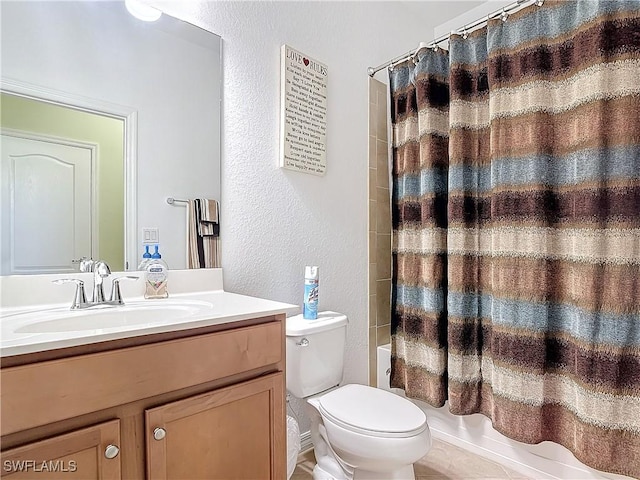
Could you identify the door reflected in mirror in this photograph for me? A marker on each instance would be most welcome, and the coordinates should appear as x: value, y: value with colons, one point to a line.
x: 62, y: 187
x: 155, y: 87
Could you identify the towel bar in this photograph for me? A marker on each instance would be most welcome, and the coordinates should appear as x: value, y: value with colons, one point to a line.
x: 171, y: 200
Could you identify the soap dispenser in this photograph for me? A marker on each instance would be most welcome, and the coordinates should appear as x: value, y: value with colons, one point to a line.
x: 156, y: 276
x: 146, y: 257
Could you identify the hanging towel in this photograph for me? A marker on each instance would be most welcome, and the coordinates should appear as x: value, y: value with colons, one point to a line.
x: 208, y: 224
x: 203, y: 241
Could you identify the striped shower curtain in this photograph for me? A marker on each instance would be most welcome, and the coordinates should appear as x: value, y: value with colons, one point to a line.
x: 516, y: 227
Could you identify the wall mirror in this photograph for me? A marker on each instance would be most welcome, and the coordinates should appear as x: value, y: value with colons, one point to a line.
x: 103, y: 117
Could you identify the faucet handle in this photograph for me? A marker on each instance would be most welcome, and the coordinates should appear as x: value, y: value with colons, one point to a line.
x: 86, y: 264
x: 116, y: 296
x: 80, y: 298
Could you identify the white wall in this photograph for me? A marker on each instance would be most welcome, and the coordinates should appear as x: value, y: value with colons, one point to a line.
x: 277, y: 221
x: 97, y: 50
x: 469, y: 16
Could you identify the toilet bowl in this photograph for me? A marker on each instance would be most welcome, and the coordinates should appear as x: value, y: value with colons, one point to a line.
x: 358, y: 432
x: 367, y: 434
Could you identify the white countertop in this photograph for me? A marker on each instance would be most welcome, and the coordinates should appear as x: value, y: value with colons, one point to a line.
x: 213, y: 307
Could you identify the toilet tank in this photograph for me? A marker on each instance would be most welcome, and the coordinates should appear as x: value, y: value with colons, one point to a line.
x: 315, y: 353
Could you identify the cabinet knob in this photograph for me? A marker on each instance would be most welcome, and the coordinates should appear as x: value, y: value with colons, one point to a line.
x: 159, y: 433
x: 111, y: 451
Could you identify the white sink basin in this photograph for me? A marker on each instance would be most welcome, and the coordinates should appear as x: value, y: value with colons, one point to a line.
x: 39, y: 327
x: 134, y: 314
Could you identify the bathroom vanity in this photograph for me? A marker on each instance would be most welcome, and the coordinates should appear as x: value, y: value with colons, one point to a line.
x: 198, y: 397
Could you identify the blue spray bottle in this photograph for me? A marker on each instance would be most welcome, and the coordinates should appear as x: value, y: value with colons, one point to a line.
x: 310, y: 306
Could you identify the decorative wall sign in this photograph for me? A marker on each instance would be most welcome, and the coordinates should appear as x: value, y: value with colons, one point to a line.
x: 303, y: 113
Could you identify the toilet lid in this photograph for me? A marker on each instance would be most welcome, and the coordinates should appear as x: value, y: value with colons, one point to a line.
x: 373, y: 411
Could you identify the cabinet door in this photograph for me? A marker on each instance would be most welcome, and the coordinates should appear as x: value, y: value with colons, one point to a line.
x: 90, y: 453
x: 234, y: 433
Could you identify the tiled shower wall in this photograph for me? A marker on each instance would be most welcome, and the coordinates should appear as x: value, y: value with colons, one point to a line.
x: 379, y: 225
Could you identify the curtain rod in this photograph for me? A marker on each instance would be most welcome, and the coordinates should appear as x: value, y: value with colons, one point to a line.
x: 502, y: 13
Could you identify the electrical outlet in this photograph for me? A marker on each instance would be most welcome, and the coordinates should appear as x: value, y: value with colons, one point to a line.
x: 150, y: 236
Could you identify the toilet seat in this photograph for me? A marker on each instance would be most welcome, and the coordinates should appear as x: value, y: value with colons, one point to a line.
x: 373, y: 412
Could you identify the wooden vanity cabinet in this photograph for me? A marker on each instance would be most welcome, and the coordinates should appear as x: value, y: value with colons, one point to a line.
x: 226, y: 433
x: 79, y: 455
x: 206, y: 403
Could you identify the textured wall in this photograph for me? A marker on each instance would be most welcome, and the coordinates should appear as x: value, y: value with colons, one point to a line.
x: 277, y: 221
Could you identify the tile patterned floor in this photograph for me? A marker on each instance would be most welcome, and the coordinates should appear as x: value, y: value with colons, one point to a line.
x: 444, y: 461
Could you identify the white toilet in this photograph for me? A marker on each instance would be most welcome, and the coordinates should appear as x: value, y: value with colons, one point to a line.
x: 358, y: 432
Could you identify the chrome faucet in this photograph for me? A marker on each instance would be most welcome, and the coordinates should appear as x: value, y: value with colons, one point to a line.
x: 100, y: 271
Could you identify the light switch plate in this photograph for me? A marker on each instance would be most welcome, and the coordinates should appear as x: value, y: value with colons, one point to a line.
x: 150, y: 236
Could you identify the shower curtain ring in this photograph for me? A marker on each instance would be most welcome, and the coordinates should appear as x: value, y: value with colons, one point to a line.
x: 504, y: 15
x: 465, y: 34
x: 391, y: 67
x: 414, y: 60
x: 540, y: 3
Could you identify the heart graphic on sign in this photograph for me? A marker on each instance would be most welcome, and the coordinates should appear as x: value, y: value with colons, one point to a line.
x: 306, y: 62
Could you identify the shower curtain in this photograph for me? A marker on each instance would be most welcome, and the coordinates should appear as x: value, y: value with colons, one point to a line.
x: 516, y: 227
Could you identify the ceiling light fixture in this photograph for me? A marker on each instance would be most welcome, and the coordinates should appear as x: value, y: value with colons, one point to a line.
x: 141, y: 11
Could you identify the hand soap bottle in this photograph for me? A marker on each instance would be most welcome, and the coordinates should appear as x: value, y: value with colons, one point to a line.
x: 156, y: 276
x: 146, y: 257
